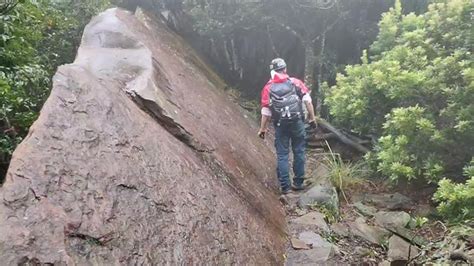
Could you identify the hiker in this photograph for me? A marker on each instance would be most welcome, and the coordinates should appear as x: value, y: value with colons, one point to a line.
x: 282, y: 101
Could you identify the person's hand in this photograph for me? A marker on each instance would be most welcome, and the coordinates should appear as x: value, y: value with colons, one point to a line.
x: 312, y: 124
x: 261, y: 133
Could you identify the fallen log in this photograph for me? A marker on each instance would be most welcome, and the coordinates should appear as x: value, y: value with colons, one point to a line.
x: 315, y: 144
x: 320, y: 137
x: 355, y: 138
x: 342, y: 137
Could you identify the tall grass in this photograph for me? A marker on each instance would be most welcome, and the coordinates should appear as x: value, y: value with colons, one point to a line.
x: 344, y: 174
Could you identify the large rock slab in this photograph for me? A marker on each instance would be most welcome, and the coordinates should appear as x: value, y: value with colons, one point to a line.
x: 139, y: 158
x: 364, y: 209
x: 313, y: 240
x: 392, y: 202
x: 313, y: 218
x: 392, y: 219
x: 373, y: 234
x: 401, y: 250
x: 321, y: 251
x: 323, y: 194
x: 341, y: 229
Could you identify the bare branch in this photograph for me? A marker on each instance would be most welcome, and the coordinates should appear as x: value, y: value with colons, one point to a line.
x: 330, y: 26
x: 269, y: 34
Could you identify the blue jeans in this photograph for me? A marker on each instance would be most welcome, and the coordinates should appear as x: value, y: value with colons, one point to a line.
x: 285, y: 133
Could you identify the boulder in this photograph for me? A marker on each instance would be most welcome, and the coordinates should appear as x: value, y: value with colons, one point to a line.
x: 400, y: 250
x: 299, y: 244
x: 313, y: 218
x: 309, y: 257
x: 313, y: 240
x: 373, y: 234
x: 323, y: 194
x: 364, y: 209
x: 321, y: 250
x: 341, y: 229
x: 392, y: 219
x: 390, y: 202
x: 140, y: 158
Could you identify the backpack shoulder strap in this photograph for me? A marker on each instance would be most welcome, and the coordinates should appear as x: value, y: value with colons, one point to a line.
x: 299, y: 91
x: 295, y: 88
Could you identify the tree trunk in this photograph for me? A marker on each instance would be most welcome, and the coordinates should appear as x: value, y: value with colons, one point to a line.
x: 343, y: 138
x: 272, y: 44
x: 227, y: 56
x: 309, y: 64
x: 319, y: 100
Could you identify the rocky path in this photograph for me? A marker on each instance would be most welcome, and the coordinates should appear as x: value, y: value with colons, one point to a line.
x: 369, y: 229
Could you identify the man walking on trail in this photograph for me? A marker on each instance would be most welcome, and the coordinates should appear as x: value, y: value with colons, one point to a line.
x: 282, y: 102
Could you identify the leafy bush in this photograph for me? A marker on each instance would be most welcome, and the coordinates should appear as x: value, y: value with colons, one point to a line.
x: 456, y: 201
x: 400, y: 156
x: 415, y: 92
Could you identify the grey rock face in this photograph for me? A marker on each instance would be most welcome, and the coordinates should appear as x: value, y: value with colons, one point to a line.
x: 364, y: 209
x: 373, y: 234
x: 400, y: 250
x: 341, y: 229
x: 392, y: 219
x: 320, y: 252
x: 390, y: 202
x: 313, y: 218
x: 313, y: 239
x: 321, y: 194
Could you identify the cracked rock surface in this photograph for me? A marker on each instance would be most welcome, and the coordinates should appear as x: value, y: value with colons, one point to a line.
x: 139, y: 157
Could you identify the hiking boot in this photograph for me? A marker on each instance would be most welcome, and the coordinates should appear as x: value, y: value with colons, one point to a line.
x: 298, y: 187
x: 285, y: 191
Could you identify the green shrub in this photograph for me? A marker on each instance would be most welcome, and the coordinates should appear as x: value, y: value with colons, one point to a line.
x: 400, y: 156
x: 415, y: 92
x: 456, y: 201
x: 35, y: 38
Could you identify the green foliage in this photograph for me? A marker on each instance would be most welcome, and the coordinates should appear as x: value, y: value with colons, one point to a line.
x: 415, y: 92
x: 35, y: 38
x: 420, y: 221
x: 456, y: 201
x: 406, y: 130
x: 389, y: 29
